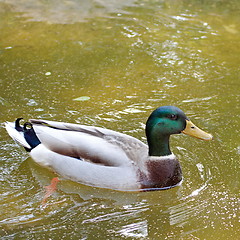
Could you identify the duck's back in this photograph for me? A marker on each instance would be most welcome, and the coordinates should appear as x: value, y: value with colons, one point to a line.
x: 94, y: 144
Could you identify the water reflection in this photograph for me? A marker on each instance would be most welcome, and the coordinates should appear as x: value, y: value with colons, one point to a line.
x: 133, y: 215
x: 66, y: 12
x: 150, y: 214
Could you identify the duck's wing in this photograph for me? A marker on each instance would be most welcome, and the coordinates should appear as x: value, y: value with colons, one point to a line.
x: 121, y: 178
x: 93, y: 144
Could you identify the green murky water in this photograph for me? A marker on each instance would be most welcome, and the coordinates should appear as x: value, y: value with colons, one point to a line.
x: 128, y: 57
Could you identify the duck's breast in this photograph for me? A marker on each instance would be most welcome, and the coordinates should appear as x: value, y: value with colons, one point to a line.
x: 162, y: 172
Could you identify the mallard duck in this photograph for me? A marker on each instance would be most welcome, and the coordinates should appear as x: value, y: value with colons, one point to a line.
x: 108, y: 159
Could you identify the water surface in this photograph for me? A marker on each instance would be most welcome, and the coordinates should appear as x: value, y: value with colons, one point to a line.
x: 127, y: 57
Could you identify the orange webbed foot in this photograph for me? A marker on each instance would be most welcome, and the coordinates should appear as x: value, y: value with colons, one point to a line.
x: 49, y: 190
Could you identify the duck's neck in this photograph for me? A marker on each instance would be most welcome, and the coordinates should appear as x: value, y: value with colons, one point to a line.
x: 159, y: 145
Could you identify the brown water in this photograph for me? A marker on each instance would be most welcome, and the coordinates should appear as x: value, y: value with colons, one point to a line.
x: 129, y: 57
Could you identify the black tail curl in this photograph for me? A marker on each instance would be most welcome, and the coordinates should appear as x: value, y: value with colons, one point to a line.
x: 18, y: 127
x: 29, y: 133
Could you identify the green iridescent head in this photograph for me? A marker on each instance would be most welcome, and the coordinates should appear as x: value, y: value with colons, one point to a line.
x: 165, y: 121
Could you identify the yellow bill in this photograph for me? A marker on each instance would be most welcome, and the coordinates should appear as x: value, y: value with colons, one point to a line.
x: 196, y: 132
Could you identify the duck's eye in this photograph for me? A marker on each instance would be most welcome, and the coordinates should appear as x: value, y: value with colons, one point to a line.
x: 172, y: 116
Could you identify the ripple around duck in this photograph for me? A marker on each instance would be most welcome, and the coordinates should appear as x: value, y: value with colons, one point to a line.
x: 126, y: 215
x: 93, y: 213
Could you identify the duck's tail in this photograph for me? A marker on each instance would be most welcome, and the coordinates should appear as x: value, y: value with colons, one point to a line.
x: 23, y: 135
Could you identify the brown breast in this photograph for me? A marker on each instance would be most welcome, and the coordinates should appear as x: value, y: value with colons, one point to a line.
x: 161, y: 174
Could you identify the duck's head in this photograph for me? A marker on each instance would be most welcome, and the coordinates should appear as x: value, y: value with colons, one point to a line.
x: 165, y: 121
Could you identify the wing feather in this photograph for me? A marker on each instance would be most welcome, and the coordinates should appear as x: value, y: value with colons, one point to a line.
x: 89, y: 143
